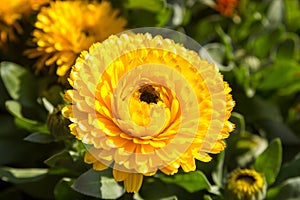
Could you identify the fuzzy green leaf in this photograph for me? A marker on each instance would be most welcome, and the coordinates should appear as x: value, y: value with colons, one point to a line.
x: 283, y: 74
x: 289, y: 170
x: 64, y: 191
x: 192, y: 182
x: 150, y: 5
x: 269, y: 161
x: 288, y: 190
x: 19, y: 82
x: 15, y: 175
x: 98, y: 184
x: 15, y: 109
x: 42, y: 138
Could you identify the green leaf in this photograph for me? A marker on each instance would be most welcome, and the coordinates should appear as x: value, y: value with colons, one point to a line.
x: 292, y: 14
x: 150, y: 5
x: 217, y: 174
x: 57, y: 157
x: 282, y: 74
x: 151, y: 184
x: 64, y: 191
x: 142, y: 18
x: 163, y: 17
x: 19, y: 83
x: 262, y: 44
x: 243, y: 79
x: 110, y: 189
x: 250, y: 23
x: 207, y: 197
x: 98, y: 184
x: 170, y: 198
x: 205, y: 28
x: 4, y: 96
x: 192, y: 181
x: 288, y: 190
x: 15, y: 175
x: 227, y: 41
x: 289, y: 170
x: 288, y: 49
x: 38, y: 137
x: 15, y: 109
x: 269, y: 161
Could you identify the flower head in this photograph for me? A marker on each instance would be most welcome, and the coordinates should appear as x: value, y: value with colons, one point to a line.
x: 226, y: 7
x: 11, y: 12
x: 245, y: 184
x: 144, y: 104
x: 66, y: 28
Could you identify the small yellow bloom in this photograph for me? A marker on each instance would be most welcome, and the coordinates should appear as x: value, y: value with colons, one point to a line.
x: 144, y: 104
x: 66, y: 28
x: 245, y: 184
x: 11, y: 11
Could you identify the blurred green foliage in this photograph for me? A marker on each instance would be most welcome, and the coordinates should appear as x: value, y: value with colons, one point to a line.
x: 258, y: 52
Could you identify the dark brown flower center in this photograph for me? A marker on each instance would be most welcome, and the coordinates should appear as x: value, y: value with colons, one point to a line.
x: 148, y: 94
x: 246, y: 178
x: 86, y: 32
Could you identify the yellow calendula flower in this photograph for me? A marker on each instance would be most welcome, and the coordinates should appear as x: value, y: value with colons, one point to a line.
x: 245, y: 184
x: 145, y: 103
x: 66, y: 28
x: 10, y: 14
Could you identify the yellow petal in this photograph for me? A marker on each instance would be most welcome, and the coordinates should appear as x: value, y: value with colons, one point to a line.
x: 133, y: 182
x: 67, y: 111
x: 89, y: 158
x: 99, y: 166
x: 170, y: 169
x: 69, y: 95
x: 119, y: 175
x: 188, y: 165
x: 219, y: 146
x: 204, y: 157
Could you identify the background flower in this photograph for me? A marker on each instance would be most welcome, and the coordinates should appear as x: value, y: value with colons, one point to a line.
x: 11, y: 12
x: 226, y: 7
x: 66, y: 28
x: 245, y: 184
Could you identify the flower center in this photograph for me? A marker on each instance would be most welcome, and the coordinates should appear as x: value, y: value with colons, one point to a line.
x: 86, y: 32
x: 148, y: 94
x: 147, y: 105
x: 246, y: 178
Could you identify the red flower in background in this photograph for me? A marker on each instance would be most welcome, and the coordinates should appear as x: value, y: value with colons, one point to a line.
x: 226, y: 7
